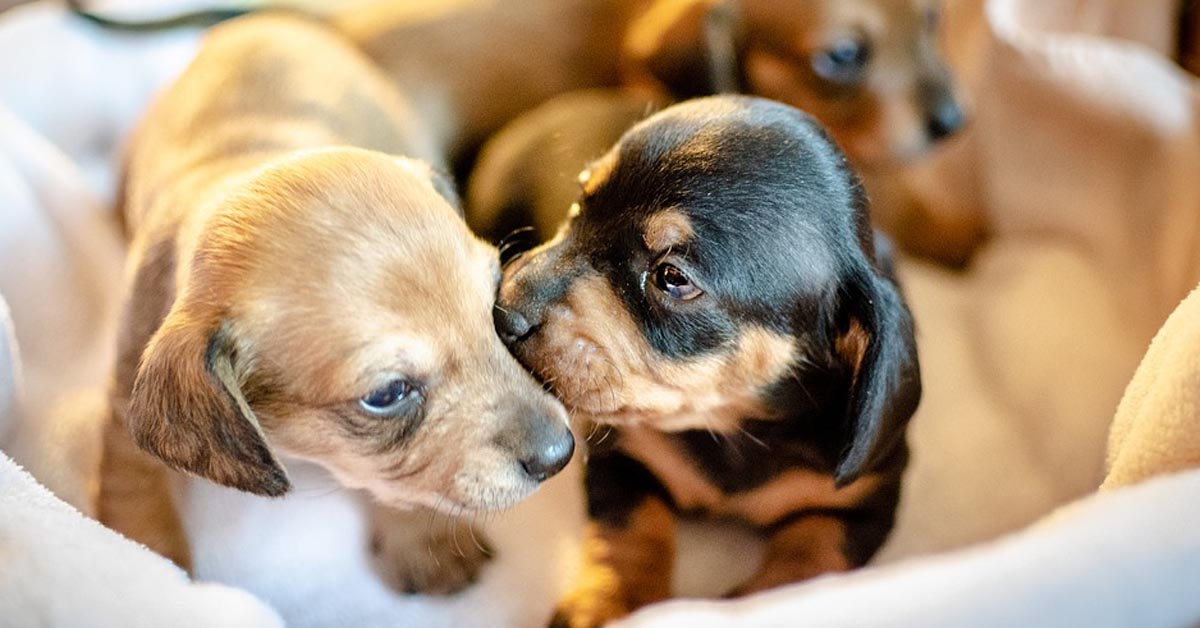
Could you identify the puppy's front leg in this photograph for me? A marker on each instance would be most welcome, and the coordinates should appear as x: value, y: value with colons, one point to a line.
x: 629, y: 550
x: 419, y: 551
x: 801, y: 549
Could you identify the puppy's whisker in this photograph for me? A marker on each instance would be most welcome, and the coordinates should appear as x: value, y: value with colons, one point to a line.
x: 608, y: 429
x: 752, y: 438
x: 517, y: 232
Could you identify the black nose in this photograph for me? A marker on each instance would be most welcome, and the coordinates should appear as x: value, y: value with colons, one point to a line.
x: 511, y: 324
x: 549, y: 455
x: 945, y: 119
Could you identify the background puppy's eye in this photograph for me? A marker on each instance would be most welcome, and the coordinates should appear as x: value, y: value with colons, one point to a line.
x: 933, y: 18
x: 675, y: 283
x: 388, y: 399
x: 843, y: 62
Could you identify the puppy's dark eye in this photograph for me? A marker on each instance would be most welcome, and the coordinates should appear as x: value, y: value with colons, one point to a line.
x: 388, y: 399
x: 843, y: 62
x: 675, y: 284
x: 933, y: 18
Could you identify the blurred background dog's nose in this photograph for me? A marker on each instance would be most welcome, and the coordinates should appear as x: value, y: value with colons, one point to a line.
x: 945, y: 119
x: 511, y: 324
x: 549, y: 455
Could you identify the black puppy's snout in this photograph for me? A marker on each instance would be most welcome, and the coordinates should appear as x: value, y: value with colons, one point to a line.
x: 549, y: 455
x: 945, y: 119
x: 512, y: 325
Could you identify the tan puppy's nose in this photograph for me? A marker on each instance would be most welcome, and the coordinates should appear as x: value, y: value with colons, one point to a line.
x: 539, y: 440
x: 548, y: 456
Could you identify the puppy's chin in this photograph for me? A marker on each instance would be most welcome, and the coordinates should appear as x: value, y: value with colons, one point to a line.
x: 467, y: 496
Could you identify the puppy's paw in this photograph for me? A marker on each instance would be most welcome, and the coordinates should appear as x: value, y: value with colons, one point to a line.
x: 587, y: 609
x: 436, y: 560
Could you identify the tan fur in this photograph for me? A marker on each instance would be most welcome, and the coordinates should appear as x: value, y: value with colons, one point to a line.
x: 597, y: 359
x: 476, y: 64
x: 667, y: 229
x: 286, y: 261
x: 791, y: 491
x: 624, y: 568
x: 803, y: 549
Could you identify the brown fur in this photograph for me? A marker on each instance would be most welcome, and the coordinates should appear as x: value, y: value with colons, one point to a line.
x: 624, y: 568
x: 798, y: 551
x: 278, y: 275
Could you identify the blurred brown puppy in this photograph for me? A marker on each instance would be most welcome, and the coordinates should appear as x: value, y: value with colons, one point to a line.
x: 301, y: 285
x: 869, y: 70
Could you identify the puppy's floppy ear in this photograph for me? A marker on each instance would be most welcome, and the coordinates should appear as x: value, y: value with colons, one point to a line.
x: 877, y: 342
x: 686, y: 47
x: 188, y: 409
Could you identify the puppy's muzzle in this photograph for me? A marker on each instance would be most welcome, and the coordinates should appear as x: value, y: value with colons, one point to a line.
x: 944, y: 115
x: 540, y: 442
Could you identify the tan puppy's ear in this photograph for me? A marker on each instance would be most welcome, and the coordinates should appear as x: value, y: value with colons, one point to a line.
x: 188, y: 409
x: 687, y: 48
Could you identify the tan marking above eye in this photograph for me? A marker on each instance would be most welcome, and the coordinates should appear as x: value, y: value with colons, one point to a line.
x: 667, y: 228
x: 597, y: 173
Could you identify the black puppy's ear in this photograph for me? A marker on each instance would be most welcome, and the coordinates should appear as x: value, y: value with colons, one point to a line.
x: 687, y: 48
x: 188, y: 409
x: 878, y: 345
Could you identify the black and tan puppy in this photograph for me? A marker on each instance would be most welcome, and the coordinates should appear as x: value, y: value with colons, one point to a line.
x: 302, y: 287
x: 718, y: 299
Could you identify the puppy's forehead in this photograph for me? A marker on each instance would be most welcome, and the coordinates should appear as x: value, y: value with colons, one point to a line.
x: 368, y: 258
x: 743, y: 180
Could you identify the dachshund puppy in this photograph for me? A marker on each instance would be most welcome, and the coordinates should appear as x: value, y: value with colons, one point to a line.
x: 301, y: 286
x: 719, y: 300
x: 869, y: 70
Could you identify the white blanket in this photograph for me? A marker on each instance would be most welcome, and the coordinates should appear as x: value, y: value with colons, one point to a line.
x: 59, y: 568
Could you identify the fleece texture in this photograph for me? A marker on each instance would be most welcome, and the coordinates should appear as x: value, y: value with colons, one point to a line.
x: 1157, y: 428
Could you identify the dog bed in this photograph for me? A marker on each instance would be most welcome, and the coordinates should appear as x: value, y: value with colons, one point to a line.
x: 1082, y: 155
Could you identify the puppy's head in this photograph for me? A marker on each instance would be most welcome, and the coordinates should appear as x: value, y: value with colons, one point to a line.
x: 720, y: 267
x: 869, y: 70
x: 335, y: 308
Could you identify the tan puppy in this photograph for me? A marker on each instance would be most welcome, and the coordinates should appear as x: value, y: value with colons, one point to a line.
x: 297, y: 288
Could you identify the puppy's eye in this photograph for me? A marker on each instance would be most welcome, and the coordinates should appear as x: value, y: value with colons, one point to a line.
x: 388, y: 399
x: 843, y: 62
x: 675, y: 283
x: 933, y: 18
